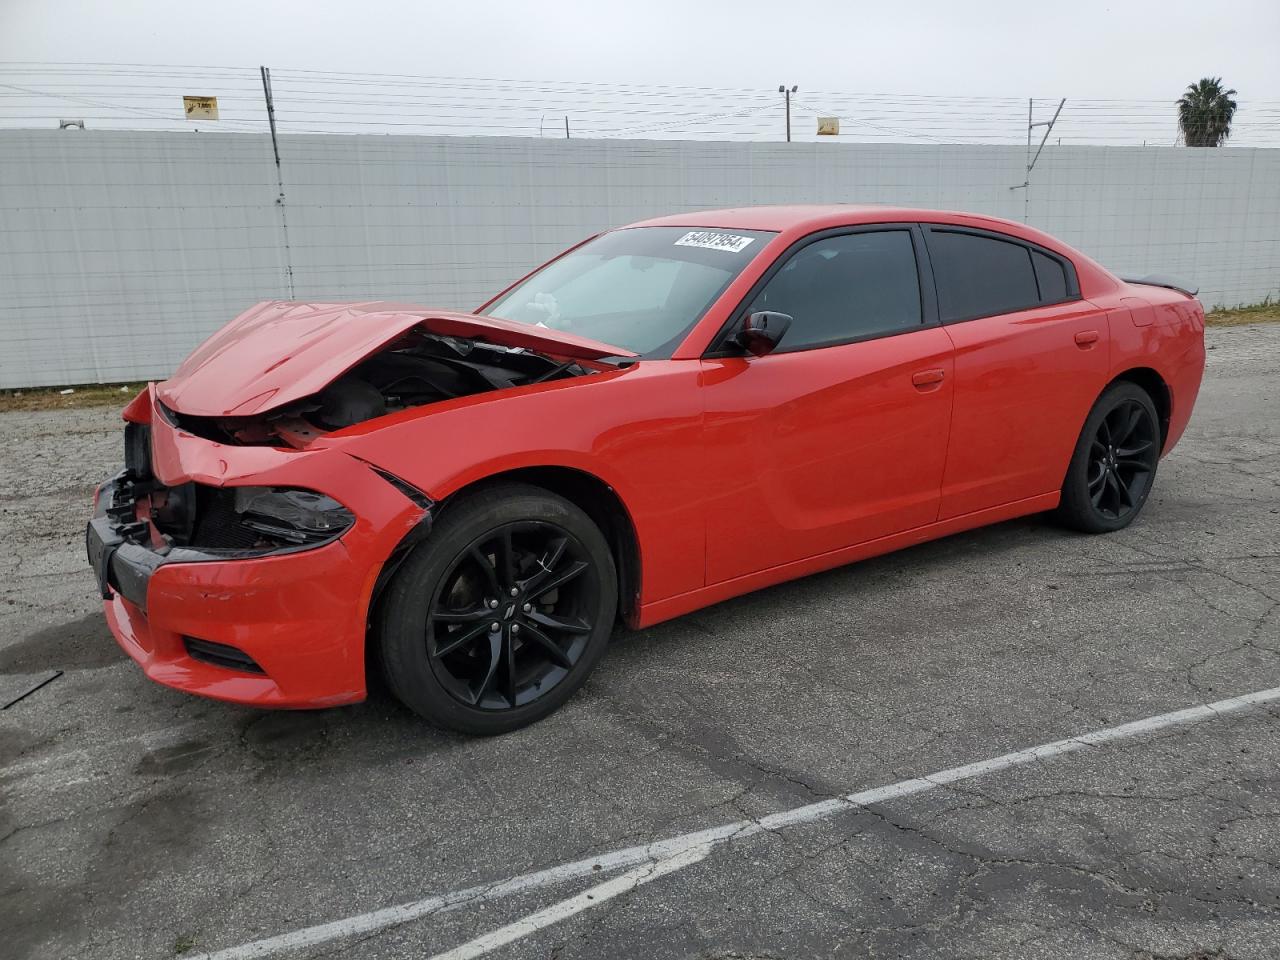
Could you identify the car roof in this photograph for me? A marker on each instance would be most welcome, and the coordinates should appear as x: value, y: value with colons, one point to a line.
x: 797, y: 220
x: 804, y: 217
x: 794, y: 222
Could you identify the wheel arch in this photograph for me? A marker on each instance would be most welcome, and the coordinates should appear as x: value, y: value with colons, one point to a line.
x: 1156, y: 388
x: 600, y: 502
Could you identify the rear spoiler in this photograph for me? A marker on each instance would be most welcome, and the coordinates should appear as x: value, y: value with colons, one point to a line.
x: 1169, y: 283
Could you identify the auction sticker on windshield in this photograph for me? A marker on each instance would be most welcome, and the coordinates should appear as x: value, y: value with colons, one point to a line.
x: 729, y: 242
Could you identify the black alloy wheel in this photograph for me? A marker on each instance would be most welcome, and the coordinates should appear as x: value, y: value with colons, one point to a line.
x: 497, y: 618
x: 512, y: 615
x: 1122, y: 459
x: 1114, y: 464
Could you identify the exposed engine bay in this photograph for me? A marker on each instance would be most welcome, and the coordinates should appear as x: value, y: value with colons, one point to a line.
x: 417, y: 370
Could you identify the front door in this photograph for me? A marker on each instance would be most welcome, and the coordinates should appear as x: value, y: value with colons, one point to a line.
x: 839, y: 436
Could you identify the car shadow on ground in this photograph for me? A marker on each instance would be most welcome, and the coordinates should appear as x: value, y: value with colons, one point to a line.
x: 278, y: 737
x: 80, y: 644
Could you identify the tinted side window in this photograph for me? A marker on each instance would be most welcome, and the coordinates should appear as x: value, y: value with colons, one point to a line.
x: 979, y: 276
x: 1051, y: 277
x: 841, y: 288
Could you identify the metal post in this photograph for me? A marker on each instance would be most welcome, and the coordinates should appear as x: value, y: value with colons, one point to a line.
x: 271, y: 112
x: 1030, y: 106
x: 788, y: 91
x: 566, y: 126
x: 1025, y: 186
x: 1048, y: 130
x: 275, y: 149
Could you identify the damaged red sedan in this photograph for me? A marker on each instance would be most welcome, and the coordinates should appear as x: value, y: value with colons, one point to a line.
x: 664, y: 416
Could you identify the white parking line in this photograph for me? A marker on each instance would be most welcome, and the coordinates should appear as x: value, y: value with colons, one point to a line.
x: 364, y: 923
x: 664, y: 857
x: 600, y: 893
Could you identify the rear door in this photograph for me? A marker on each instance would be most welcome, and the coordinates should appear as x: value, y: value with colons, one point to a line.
x: 1030, y: 359
x: 839, y: 436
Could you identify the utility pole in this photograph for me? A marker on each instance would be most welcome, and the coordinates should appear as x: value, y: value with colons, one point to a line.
x: 271, y: 113
x: 1030, y: 108
x: 566, y: 126
x: 275, y: 148
x: 783, y: 89
x: 1025, y: 186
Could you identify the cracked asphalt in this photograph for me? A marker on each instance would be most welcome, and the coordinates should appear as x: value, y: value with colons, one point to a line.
x: 138, y: 822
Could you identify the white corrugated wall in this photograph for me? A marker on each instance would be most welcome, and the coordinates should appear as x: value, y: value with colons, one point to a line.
x: 119, y: 251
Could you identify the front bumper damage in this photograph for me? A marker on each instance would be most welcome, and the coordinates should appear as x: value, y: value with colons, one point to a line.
x: 119, y: 543
x: 274, y: 627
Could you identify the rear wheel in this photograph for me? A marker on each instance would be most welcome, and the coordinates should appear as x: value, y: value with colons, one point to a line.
x: 499, y: 616
x: 1114, y: 463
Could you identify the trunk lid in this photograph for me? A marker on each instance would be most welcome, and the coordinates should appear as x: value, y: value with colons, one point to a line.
x: 279, y: 351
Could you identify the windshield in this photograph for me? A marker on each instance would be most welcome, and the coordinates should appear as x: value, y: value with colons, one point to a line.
x: 641, y: 288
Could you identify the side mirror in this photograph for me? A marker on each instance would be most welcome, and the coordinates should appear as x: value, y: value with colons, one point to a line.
x: 761, y: 331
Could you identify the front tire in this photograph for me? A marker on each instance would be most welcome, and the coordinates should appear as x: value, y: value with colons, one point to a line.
x: 1114, y: 463
x: 500, y: 615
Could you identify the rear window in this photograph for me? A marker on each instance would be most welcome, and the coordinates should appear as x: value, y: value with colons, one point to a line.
x: 1051, y: 277
x: 980, y: 276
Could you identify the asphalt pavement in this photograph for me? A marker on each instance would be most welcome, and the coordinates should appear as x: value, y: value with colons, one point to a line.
x: 687, y: 803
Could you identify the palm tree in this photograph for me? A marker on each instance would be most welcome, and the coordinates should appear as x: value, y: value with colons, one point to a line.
x: 1205, y: 112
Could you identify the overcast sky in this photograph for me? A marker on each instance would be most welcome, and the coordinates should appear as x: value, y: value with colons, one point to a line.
x: 1139, y: 50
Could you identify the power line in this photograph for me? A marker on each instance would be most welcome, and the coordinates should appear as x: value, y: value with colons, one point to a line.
x: 145, y: 96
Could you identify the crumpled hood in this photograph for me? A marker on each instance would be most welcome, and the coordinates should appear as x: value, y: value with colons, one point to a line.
x: 279, y: 351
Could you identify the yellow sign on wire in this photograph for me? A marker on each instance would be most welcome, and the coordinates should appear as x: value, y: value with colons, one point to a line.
x: 200, y: 108
x: 828, y: 126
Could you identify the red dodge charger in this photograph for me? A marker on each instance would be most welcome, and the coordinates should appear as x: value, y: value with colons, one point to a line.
x: 662, y: 417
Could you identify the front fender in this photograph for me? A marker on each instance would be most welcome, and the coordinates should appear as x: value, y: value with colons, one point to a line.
x: 638, y: 430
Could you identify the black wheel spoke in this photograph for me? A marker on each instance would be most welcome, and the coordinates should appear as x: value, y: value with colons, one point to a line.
x: 1095, y: 482
x: 558, y: 579
x: 556, y: 551
x: 1130, y: 423
x: 462, y: 616
x: 509, y: 648
x: 1113, y: 485
x: 546, y: 565
x: 487, y: 570
x: 1122, y: 493
x: 558, y: 623
x: 495, y: 656
x: 505, y: 558
x: 1133, y: 466
x: 458, y: 639
x: 553, y: 649
x: 1095, y: 497
x: 1127, y: 452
